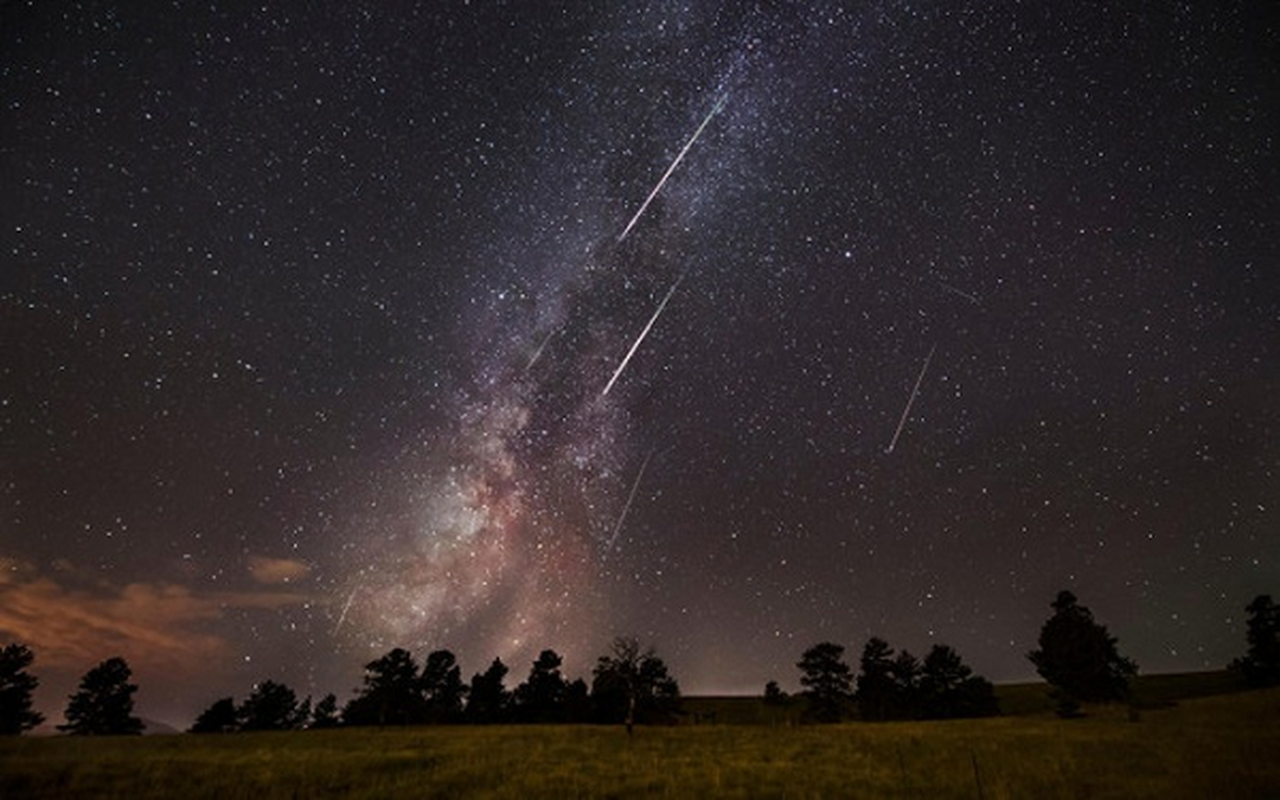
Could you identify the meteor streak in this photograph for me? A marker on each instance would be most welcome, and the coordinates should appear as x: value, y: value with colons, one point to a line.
x: 911, y: 401
x: 537, y: 354
x: 954, y: 290
x: 719, y: 105
x: 617, y: 529
x: 643, y: 334
x: 343, y: 616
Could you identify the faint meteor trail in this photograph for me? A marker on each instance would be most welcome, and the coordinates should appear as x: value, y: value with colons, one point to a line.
x: 617, y: 528
x: 719, y: 105
x: 911, y: 401
x: 643, y: 334
x: 343, y: 616
x: 954, y: 290
x: 537, y: 354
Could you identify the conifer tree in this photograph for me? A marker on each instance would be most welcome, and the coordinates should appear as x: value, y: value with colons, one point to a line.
x: 1078, y: 658
x: 16, y: 689
x: 104, y: 704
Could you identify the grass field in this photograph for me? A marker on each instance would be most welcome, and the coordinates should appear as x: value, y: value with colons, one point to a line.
x: 1217, y: 746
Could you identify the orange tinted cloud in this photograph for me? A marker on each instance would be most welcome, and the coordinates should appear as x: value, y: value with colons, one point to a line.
x: 277, y: 570
x: 156, y: 627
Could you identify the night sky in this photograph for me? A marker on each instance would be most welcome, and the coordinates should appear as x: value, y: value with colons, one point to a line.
x: 307, y: 314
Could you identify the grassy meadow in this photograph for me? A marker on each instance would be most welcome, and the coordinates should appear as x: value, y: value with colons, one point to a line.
x: 1223, y: 745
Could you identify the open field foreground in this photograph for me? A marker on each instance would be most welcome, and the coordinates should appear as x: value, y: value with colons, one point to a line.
x: 1213, y: 747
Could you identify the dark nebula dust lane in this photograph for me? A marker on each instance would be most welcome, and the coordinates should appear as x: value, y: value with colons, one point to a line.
x: 733, y: 327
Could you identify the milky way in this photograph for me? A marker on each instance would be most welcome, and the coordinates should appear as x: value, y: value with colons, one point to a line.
x: 507, y: 548
x: 504, y: 327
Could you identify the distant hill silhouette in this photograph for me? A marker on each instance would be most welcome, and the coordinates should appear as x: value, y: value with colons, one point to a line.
x: 150, y: 727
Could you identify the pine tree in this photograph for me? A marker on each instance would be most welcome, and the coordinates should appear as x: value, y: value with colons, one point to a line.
x: 302, y: 715
x: 950, y: 690
x: 541, y: 697
x: 489, y: 701
x: 104, y: 704
x: 391, y: 695
x: 1078, y: 658
x: 906, y: 687
x: 877, y: 689
x: 221, y: 717
x: 827, y: 681
x: 442, y: 687
x: 325, y: 714
x: 1261, y: 664
x: 16, y: 689
x: 773, y: 694
x: 577, y: 701
x: 271, y: 707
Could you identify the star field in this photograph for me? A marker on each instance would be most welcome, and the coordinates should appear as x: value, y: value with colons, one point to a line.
x: 308, y: 316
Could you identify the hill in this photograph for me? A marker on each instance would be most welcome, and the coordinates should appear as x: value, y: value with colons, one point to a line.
x: 1016, y: 699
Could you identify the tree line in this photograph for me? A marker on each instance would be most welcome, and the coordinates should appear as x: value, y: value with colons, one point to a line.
x: 1076, y: 656
x: 631, y: 685
x: 888, y: 686
x: 103, y: 705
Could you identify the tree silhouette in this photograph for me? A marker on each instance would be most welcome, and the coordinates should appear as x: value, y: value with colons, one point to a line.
x: 489, y: 701
x: 905, y: 702
x: 949, y: 689
x: 877, y: 689
x: 659, y: 694
x: 1261, y: 664
x: 903, y: 687
x: 270, y: 707
x: 1078, y: 658
x: 442, y: 687
x: 773, y: 694
x: 104, y: 704
x: 775, y: 701
x: 392, y: 693
x: 16, y: 689
x: 302, y: 716
x: 325, y: 714
x: 221, y: 717
x: 577, y: 701
x: 633, y: 686
x: 541, y: 697
x: 827, y: 681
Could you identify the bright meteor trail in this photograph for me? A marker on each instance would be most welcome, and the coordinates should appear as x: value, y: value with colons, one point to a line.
x: 643, y: 334
x: 911, y: 401
x: 719, y: 105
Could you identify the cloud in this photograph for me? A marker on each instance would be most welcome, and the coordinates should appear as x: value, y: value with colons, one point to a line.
x: 277, y: 570
x: 15, y: 568
x: 156, y: 627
